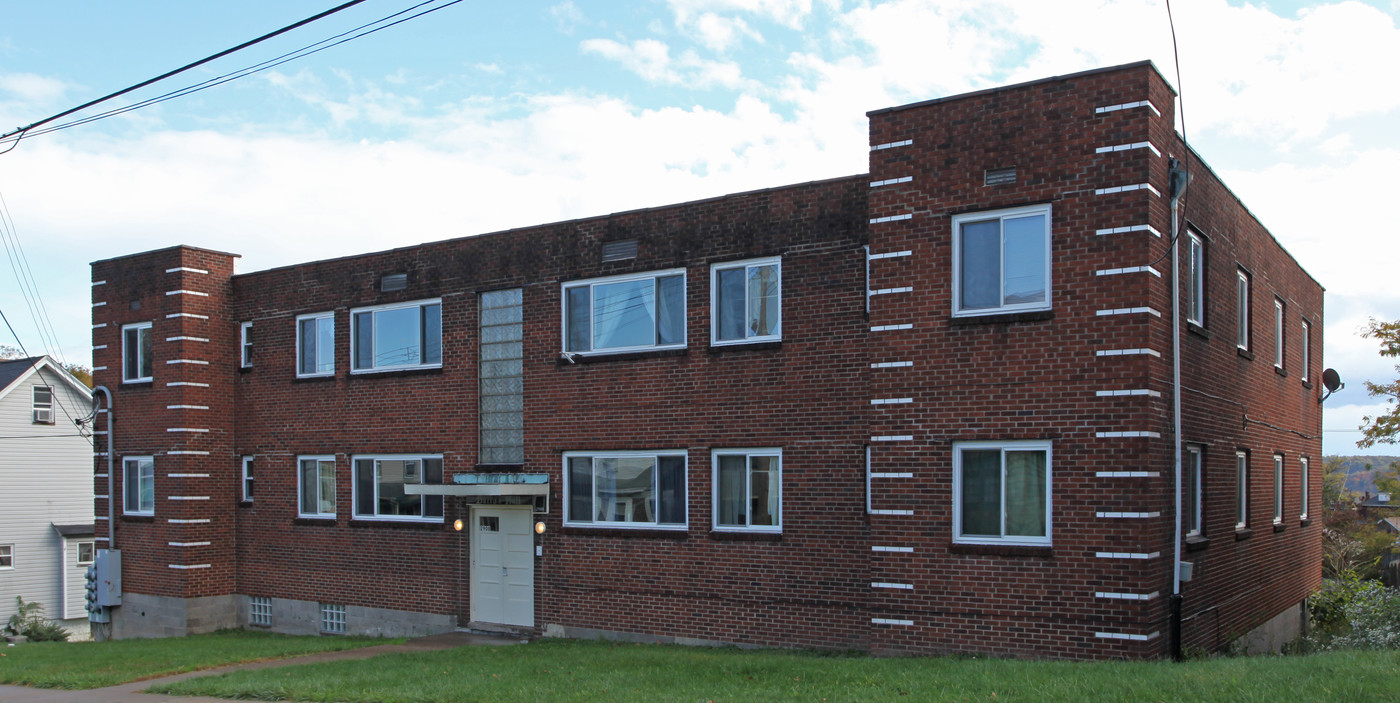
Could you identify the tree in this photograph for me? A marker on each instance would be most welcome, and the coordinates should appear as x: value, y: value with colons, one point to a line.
x: 1384, y: 428
x: 1334, y: 481
x: 1388, y: 480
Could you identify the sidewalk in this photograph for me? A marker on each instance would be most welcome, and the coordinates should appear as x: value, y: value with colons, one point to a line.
x: 131, y: 692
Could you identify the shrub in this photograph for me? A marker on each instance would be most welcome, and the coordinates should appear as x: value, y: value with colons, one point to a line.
x: 1374, y: 618
x: 29, y: 621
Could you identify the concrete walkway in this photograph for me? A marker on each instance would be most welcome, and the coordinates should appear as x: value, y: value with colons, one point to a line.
x: 131, y: 692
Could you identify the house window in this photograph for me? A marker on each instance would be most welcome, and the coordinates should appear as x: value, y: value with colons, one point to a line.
x: 247, y: 462
x: 1001, y: 261
x: 402, y: 336
x: 1306, y: 341
x: 316, y: 344
x: 746, y: 301
x: 87, y: 552
x: 1195, y: 465
x: 625, y: 313
x: 245, y: 344
x: 1278, y: 489
x: 138, y: 485
x: 136, y: 352
x: 748, y: 489
x: 380, y: 482
x: 332, y: 619
x: 43, y: 405
x: 1278, y: 334
x: 1303, y: 488
x: 1241, y: 490
x: 316, y: 486
x: 1001, y: 492
x: 1242, y: 301
x: 1196, y: 283
x: 260, y: 611
x: 7, y: 556
x: 626, y: 489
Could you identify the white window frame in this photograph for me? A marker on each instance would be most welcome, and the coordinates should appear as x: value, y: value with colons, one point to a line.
x: 128, y: 476
x: 1000, y: 215
x: 747, y: 454
x: 715, y: 321
x: 127, y: 372
x: 7, y: 557
x: 1195, y: 468
x: 592, y: 283
x: 318, y: 316
x: 1242, y: 301
x: 1306, y: 341
x: 1241, y: 490
x: 245, y: 345
x: 301, y: 489
x: 92, y: 552
x: 1196, y: 279
x: 1003, y: 447
x: 373, y: 311
x: 1278, y: 489
x: 246, y: 466
x: 1303, y: 487
x: 1279, y: 346
x: 42, y: 412
x: 422, y: 475
x: 656, y: 457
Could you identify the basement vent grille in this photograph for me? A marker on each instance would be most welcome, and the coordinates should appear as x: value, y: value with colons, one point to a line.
x: 1000, y: 176
x: 393, y: 281
x: 617, y: 251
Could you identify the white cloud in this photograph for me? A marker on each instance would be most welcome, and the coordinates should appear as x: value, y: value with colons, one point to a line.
x: 722, y: 33
x: 35, y: 89
x: 651, y: 60
x: 789, y: 13
x: 567, y: 16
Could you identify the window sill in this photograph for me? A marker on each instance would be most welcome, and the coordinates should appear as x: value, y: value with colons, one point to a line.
x: 322, y: 521
x: 133, y: 385
x: 1280, y: 372
x: 625, y: 533
x: 397, y: 373
x: 1242, y: 533
x: 138, y: 518
x: 362, y: 523
x: 1005, y: 317
x: 244, y: 369
x: 1308, y: 385
x: 1196, y: 543
x: 727, y: 536
x: 1245, y: 353
x: 1304, y: 522
x: 245, y: 503
x: 313, y: 379
x: 579, y: 358
x: 1280, y: 527
x: 1003, y: 550
x: 744, y: 346
x: 1198, y: 330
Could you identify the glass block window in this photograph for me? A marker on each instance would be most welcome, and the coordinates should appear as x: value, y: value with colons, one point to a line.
x: 332, y: 619
x: 260, y: 611
x: 502, y: 389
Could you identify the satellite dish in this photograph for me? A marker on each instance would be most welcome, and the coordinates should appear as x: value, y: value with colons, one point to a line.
x: 1332, y: 381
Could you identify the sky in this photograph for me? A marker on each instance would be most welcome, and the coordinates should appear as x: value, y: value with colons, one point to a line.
x: 482, y: 116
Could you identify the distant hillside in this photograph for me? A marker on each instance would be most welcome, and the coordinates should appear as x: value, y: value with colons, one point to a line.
x: 1361, y: 471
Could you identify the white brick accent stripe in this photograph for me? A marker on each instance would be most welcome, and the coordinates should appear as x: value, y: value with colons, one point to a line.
x: 1128, y: 352
x: 1128, y: 147
x: 189, y: 566
x: 897, y: 586
x: 888, y: 621
x: 100, y: 497
x: 1127, y: 474
x: 187, y: 407
x: 188, y: 451
x: 99, y: 431
x: 1132, y: 434
x: 893, y: 438
x: 188, y: 544
x: 891, y: 218
x: 187, y: 383
x: 188, y: 521
x: 186, y: 361
x: 891, y: 401
x: 187, y: 497
x: 187, y: 475
x: 99, y: 368
x: 892, y: 474
x: 1127, y: 106
x: 1133, y: 391
x: 100, y: 346
x: 892, y: 512
x: 890, y: 181
x: 1128, y: 189
x: 98, y: 305
x: 99, y: 283
x: 1105, y: 514
x: 99, y: 475
x: 1126, y: 636
x: 892, y: 365
x: 897, y: 550
x: 892, y: 254
x: 102, y: 539
x: 182, y: 291
x: 891, y: 145
x: 891, y: 328
x: 887, y: 291
x: 1126, y: 596
x: 99, y: 325
x: 186, y: 339
x: 1120, y: 311
x: 1127, y: 555
x: 185, y: 268
x: 1130, y: 269
x: 1126, y: 230
x: 185, y: 429
x: 101, y: 517
x: 186, y: 314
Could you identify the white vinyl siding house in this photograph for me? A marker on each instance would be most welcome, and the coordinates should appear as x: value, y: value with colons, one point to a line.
x: 46, y: 492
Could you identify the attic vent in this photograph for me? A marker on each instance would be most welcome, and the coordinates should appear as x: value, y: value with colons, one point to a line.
x: 617, y: 251
x: 1000, y: 176
x: 393, y: 281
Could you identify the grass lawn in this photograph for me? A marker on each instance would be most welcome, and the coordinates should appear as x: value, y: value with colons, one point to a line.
x: 571, y: 670
x: 75, y: 665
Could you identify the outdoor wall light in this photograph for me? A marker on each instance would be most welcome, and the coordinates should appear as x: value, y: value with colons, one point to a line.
x: 539, y: 528
x: 457, y: 524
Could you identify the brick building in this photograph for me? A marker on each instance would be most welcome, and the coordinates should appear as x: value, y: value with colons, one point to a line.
x: 924, y: 409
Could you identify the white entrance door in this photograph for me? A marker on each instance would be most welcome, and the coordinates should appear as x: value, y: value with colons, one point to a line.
x: 503, y: 567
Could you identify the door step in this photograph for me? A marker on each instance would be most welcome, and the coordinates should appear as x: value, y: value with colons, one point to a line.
x: 491, y: 628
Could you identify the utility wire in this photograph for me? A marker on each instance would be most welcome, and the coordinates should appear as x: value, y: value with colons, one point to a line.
x: 1186, y: 150
x: 29, y: 286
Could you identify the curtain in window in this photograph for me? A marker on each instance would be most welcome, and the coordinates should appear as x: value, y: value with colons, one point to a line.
x: 981, y: 492
x: 731, y: 303
x: 623, y: 314
x: 1025, y: 494
x: 731, y: 490
x: 763, y: 491
x: 763, y: 300
x: 670, y: 310
x: 980, y: 269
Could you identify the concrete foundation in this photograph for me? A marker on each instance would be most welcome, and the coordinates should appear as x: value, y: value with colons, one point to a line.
x: 303, y: 617
x: 1274, y: 635
x: 142, y: 615
x: 587, y: 633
